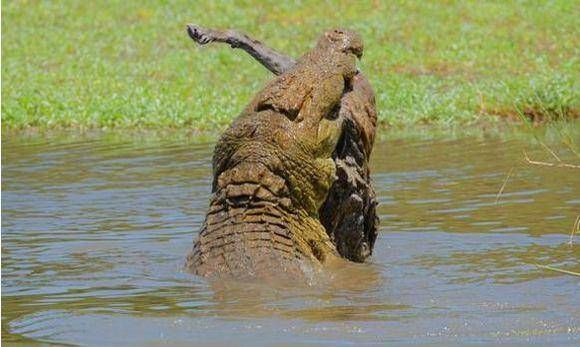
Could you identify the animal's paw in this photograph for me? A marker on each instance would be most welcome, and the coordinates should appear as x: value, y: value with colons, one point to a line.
x: 200, y: 35
x: 347, y: 171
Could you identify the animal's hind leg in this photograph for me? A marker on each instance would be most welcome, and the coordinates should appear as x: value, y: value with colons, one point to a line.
x: 272, y: 60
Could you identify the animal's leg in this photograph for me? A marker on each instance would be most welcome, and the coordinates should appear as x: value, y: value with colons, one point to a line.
x: 272, y: 60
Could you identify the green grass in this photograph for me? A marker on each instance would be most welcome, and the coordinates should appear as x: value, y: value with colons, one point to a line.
x: 129, y: 64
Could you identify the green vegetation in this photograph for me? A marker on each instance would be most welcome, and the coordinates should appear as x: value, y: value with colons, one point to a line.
x: 130, y: 64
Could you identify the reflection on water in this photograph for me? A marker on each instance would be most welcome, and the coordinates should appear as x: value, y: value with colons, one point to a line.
x: 95, y: 230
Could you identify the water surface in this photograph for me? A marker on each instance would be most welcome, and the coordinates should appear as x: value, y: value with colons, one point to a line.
x: 95, y: 231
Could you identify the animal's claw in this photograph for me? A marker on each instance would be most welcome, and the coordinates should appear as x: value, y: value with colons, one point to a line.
x: 199, y: 34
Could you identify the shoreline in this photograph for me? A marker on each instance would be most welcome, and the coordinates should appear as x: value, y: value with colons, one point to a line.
x: 552, y: 131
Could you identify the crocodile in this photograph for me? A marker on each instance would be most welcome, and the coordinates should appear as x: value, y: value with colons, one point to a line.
x: 291, y: 184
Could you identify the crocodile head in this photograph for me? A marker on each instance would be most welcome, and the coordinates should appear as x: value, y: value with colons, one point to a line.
x: 346, y: 41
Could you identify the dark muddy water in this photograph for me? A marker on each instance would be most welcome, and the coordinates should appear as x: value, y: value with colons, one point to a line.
x: 95, y: 230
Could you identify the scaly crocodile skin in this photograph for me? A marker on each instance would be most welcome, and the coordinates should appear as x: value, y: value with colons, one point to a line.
x: 273, y: 170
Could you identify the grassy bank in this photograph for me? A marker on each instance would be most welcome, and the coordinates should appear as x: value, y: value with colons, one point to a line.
x: 129, y: 64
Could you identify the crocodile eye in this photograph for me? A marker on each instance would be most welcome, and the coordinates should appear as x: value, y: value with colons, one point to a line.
x: 333, y: 114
